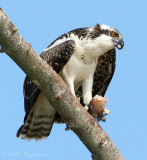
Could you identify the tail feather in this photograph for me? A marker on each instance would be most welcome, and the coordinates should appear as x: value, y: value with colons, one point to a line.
x: 36, y: 127
x: 38, y: 123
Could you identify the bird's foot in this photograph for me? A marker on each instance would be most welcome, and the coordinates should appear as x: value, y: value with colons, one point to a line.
x: 87, y: 107
x: 102, y: 115
x: 78, y: 96
x: 97, y: 108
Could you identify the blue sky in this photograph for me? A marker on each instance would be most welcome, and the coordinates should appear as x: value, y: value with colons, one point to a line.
x: 40, y: 22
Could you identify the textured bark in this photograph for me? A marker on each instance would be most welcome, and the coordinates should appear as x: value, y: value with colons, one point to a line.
x: 56, y: 91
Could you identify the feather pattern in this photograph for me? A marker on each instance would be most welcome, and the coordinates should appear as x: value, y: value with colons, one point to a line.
x: 85, y: 59
x: 40, y: 115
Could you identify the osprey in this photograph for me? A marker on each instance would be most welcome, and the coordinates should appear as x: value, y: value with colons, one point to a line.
x: 85, y: 59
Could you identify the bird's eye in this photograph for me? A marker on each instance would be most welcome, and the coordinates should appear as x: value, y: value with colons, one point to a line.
x: 113, y: 34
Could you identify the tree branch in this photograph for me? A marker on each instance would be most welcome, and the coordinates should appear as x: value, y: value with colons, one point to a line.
x: 56, y: 91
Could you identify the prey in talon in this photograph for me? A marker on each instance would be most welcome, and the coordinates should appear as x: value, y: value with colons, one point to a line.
x: 97, y: 107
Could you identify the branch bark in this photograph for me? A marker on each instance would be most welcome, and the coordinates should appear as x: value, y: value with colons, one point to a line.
x: 56, y: 91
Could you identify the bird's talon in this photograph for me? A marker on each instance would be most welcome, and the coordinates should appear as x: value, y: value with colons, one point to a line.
x: 86, y: 107
x: 103, y: 119
x: 78, y: 96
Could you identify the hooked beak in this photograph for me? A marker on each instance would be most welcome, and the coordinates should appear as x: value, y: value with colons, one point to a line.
x: 119, y: 44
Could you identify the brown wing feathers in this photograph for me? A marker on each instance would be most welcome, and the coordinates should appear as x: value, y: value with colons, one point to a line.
x: 40, y: 115
x: 104, y: 72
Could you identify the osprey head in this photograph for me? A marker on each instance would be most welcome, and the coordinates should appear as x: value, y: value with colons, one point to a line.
x: 109, y: 36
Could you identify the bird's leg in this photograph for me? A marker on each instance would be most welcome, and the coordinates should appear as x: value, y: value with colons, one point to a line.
x: 78, y: 96
x: 70, y: 84
x: 87, y: 92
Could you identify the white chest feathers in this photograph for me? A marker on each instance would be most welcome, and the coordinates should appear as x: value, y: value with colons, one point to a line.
x: 76, y: 71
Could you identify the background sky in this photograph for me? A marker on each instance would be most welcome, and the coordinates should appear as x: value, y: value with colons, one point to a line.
x: 41, y: 22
